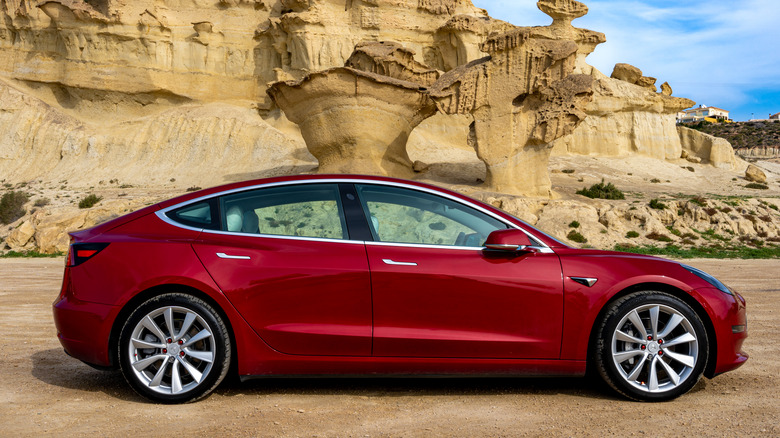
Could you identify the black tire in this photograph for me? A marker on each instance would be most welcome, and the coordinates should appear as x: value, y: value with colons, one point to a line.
x: 627, y: 356
x: 174, y: 366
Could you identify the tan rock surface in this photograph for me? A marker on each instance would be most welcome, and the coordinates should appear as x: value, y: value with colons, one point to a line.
x: 708, y: 149
x: 625, y: 119
x: 150, y: 92
x: 19, y: 237
x: 627, y: 73
x: 753, y: 173
x: 354, y: 121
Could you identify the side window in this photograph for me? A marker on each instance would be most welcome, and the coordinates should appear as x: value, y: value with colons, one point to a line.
x: 308, y: 210
x: 200, y: 215
x: 408, y: 216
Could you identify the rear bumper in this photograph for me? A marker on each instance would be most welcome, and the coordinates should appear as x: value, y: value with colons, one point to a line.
x: 83, y: 329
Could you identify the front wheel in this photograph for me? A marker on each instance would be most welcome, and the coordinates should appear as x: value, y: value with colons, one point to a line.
x: 651, y: 346
x: 174, y: 348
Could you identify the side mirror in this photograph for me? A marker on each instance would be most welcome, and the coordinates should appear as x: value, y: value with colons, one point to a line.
x: 509, y: 240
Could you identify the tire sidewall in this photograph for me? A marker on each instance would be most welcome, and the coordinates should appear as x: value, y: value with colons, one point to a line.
x: 220, y: 338
x: 609, y: 369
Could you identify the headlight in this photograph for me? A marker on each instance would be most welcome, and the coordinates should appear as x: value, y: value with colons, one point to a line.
x: 708, y: 278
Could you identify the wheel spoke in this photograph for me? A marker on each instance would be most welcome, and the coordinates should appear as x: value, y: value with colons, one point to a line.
x: 652, y: 383
x: 638, y: 368
x: 169, y: 321
x: 175, y: 378
x: 682, y: 339
x: 688, y: 361
x: 205, y: 356
x: 203, y: 334
x: 637, y: 322
x: 145, y: 363
x: 138, y: 343
x: 160, y: 373
x: 196, y: 375
x: 671, y: 325
x: 620, y: 336
x: 626, y: 355
x: 671, y: 372
x: 152, y: 327
x: 654, y: 311
x: 185, y: 326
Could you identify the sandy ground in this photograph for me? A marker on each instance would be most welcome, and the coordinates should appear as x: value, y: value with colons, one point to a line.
x: 44, y: 392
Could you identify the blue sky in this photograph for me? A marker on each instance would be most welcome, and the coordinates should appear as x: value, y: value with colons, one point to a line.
x: 721, y: 53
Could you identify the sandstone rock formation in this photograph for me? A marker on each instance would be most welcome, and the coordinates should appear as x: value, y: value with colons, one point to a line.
x: 354, y: 121
x: 301, y: 37
x: 151, y: 91
x: 523, y: 97
x: 708, y: 149
x: 753, y: 173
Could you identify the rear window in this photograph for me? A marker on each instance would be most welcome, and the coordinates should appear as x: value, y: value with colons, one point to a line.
x: 199, y: 215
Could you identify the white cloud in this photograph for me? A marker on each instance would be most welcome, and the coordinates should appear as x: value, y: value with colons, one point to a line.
x: 715, y: 52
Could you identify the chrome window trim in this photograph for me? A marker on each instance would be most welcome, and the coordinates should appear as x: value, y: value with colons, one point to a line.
x: 162, y: 214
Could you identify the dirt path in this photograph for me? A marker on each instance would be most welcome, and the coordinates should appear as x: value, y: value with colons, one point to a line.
x: 44, y: 392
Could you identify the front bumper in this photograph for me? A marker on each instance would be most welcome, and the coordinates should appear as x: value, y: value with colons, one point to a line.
x: 729, y: 320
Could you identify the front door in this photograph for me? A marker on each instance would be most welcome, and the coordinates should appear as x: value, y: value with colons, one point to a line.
x: 437, y: 293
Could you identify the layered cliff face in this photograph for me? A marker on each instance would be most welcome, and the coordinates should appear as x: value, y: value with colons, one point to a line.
x: 626, y: 119
x: 138, y: 88
x: 213, y: 50
x: 101, y: 89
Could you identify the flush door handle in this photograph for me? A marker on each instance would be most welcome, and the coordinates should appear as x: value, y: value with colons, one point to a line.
x: 394, y: 263
x: 222, y: 255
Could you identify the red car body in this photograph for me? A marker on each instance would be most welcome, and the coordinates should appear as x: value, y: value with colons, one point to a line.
x: 318, y: 307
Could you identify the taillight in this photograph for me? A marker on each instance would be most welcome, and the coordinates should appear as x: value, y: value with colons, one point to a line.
x: 79, y: 253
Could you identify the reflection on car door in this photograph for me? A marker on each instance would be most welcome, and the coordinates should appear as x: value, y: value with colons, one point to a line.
x: 437, y: 293
x: 446, y: 302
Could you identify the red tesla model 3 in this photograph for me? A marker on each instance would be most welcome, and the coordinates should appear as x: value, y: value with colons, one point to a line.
x: 358, y: 275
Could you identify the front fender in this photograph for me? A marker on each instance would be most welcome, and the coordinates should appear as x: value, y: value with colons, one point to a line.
x: 616, y: 276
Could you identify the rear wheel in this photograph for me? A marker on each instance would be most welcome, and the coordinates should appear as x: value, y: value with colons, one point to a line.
x: 174, y: 348
x: 651, y: 346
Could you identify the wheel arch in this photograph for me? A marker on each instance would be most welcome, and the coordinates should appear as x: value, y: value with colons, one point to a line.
x: 709, y: 369
x: 139, y: 298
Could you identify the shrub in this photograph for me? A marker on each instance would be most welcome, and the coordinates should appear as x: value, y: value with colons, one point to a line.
x: 89, y: 201
x: 632, y: 235
x: 193, y: 189
x: 12, y: 206
x: 569, y: 171
x: 576, y: 237
x: 698, y: 200
x: 655, y: 181
x: 657, y: 205
x: 674, y: 231
x: 659, y: 237
x: 710, y: 211
x: 42, y: 202
x: 757, y: 186
x: 574, y: 224
x: 602, y: 191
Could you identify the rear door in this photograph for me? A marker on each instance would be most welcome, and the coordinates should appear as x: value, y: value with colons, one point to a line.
x: 287, y: 262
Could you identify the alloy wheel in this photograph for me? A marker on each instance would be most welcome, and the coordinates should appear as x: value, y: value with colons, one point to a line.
x: 655, y: 348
